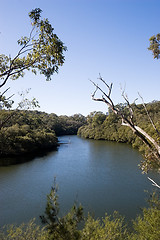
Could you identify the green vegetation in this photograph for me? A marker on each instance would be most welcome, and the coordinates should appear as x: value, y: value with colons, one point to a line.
x: 145, y: 227
x: 26, y: 132
x: 28, y: 231
x: 154, y: 45
x: 42, y: 51
x: 32, y: 132
x: 109, y: 127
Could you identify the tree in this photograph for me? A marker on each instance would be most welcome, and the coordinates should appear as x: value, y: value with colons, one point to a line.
x: 42, y: 51
x: 126, y: 113
x: 153, y: 158
x: 24, y: 104
x: 155, y: 45
x: 65, y: 227
x: 147, y: 225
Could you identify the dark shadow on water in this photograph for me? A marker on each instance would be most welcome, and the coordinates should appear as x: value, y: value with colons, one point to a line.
x: 13, y: 160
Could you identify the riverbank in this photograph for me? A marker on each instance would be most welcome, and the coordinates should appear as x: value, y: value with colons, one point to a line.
x: 26, y: 134
x: 109, y: 127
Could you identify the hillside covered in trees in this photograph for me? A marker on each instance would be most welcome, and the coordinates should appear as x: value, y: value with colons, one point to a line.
x: 32, y: 132
x: 109, y: 127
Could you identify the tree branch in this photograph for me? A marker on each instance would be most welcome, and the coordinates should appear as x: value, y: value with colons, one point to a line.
x: 127, y: 121
x: 151, y: 121
x: 154, y: 183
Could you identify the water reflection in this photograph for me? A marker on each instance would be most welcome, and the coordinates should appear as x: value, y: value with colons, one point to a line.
x: 102, y: 175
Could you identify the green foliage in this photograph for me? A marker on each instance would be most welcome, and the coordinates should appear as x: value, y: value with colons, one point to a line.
x: 5, y: 102
x: 154, y: 45
x: 145, y: 227
x: 28, y: 231
x: 32, y: 132
x: 110, y: 227
x: 26, y: 136
x: 41, y: 51
x: 65, y: 227
x: 110, y: 128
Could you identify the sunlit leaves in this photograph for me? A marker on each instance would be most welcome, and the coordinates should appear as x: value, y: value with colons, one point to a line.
x: 110, y: 227
x: 155, y: 45
x: 29, y: 231
x: 35, y: 15
x: 41, y: 51
x: 147, y: 226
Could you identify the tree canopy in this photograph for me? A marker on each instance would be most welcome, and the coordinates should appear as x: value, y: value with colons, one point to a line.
x: 42, y: 51
x: 155, y: 45
x: 109, y: 127
x: 32, y: 132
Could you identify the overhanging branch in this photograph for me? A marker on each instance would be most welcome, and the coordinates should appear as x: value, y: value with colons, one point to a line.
x: 126, y: 120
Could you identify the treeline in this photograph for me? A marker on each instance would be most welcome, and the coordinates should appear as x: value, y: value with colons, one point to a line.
x: 109, y: 126
x: 28, y: 132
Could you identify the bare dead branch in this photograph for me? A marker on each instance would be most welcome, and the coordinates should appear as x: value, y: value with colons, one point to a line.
x: 107, y: 100
x: 154, y: 183
x: 124, y: 95
x: 127, y: 120
x: 109, y: 87
x: 150, y: 119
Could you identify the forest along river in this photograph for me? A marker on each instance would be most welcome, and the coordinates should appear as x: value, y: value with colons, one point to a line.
x: 103, y: 176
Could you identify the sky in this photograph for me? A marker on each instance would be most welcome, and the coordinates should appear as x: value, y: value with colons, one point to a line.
x: 107, y: 37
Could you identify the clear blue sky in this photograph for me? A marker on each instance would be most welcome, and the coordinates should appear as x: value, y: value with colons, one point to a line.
x: 102, y: 36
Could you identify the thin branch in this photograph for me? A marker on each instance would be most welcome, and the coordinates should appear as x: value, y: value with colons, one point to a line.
x: 8, y: 73
x: 109, y: 87
x: 127, y: 121
x: 10, y: 97
x: 4, y: 92
x: 110, y: 102
x: 151, y: 121
x: 4, y: 82
x: 154, y: 183
x: 18, y: 71
x: 129, y: 105
x: 27, y: 50
x: 100, y: 78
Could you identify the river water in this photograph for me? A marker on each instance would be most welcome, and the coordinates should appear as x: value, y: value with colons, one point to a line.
x: 103, y: 176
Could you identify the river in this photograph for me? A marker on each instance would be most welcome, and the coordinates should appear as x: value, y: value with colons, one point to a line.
x: 103, y: 176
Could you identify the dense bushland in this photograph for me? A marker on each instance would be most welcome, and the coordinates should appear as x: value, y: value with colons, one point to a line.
x: 108, y: 126
x: 27, y: 132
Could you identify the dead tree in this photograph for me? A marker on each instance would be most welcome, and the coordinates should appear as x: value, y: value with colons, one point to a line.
x: 127, y: 120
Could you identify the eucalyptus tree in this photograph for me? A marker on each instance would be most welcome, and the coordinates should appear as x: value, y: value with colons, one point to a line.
x: 42, y: 51
x: 127, y: 115
x: 153, y: 158
x: 155, y: 45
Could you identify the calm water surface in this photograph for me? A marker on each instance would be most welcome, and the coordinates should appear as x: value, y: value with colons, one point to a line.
x: 102, y: 175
